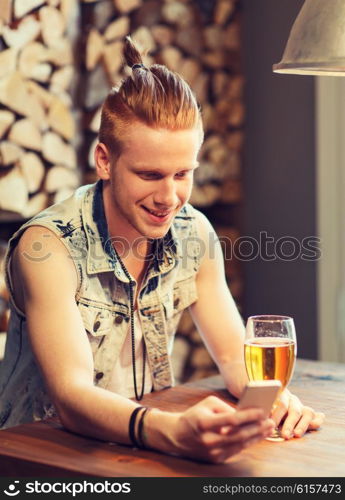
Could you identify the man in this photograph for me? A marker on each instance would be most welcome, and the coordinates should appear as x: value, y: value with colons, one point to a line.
x: 99, y: 282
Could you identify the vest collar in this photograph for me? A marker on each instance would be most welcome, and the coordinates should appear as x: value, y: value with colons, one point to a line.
x: 101, y: 256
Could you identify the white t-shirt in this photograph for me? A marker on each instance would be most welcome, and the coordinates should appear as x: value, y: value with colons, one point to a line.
x: 121, y: 380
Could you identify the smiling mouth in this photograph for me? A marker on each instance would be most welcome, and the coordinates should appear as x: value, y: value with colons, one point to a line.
x: 157, y: 213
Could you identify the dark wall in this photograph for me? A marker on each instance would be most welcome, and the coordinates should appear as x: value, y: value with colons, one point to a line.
x: 279, y: 173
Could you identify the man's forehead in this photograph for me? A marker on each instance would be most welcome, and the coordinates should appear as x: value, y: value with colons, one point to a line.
x: 138, y: 133
x: 162, y: 167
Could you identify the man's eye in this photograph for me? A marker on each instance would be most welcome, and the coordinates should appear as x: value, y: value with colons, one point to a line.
x: 148, y: 175
x: 181, y: 175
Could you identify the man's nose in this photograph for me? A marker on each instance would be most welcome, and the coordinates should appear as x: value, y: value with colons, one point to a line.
x: 165, y: 194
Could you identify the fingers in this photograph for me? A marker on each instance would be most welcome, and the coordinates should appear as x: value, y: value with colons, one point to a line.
x: 213, y: 431
x: 317, y: 421
x: 309, y: 421
x: 238, y: 418
x: 247, y: 432
x: 303, y: 424
x: 215, y: 414
x: 298, y: 418
x: 297, y: 421
x: 221, y: 455
x: 217, y: 448
x: 281, y: 408
x: 239, y: 434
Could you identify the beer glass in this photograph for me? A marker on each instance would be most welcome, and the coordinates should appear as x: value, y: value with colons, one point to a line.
x: 270, y: 351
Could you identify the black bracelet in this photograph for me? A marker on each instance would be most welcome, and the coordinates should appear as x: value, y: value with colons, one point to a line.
x: 131, y: 428
x: 141, y: 427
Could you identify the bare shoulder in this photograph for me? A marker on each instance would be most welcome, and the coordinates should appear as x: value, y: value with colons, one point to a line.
x: 36, y: 240
x: 211, y: 249
x: 40, y: 259
x: 203, y: 225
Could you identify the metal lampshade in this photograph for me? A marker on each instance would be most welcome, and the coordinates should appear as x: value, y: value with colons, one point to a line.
x: 316, y: 45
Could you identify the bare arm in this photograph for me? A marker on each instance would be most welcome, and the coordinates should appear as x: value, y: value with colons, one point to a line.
x: 60, y: 343
x: 222, y: 329
x: 216, y: 315
x: 62, y: 350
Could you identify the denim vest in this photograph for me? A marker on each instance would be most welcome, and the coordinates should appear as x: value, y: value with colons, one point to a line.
x: 103, y: 300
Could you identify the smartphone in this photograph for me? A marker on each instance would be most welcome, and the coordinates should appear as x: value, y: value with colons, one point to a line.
x: 260, y: 393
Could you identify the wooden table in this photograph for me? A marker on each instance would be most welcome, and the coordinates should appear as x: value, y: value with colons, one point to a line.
x: 46, y: 449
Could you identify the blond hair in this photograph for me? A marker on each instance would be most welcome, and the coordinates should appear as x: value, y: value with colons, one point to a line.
x: 154, y: 96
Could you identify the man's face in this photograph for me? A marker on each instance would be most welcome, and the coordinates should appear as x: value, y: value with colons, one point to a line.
x: 152, y: 179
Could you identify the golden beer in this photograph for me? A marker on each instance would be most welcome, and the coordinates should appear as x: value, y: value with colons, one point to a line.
x: 269, y: 358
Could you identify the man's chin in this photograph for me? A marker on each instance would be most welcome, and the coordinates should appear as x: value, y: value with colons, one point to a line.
x: 156, y: 234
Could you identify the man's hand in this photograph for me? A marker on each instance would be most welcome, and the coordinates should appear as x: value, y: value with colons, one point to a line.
x: 296, y: 418
x: 211, y: 431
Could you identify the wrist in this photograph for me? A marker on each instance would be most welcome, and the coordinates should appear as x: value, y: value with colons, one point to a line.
x: 234, y: 375
x: 160, y: 430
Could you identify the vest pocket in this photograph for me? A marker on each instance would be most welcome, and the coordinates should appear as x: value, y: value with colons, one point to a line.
x: 97, y: 322
x: 182, y: 296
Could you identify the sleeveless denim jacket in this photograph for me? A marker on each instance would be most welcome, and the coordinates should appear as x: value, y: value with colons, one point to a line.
x: 103, y: 300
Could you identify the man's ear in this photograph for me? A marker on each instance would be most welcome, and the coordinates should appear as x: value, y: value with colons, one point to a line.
x: 102, y: 161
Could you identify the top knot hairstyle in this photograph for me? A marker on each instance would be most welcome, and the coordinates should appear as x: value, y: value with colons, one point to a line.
x: 154, y: 96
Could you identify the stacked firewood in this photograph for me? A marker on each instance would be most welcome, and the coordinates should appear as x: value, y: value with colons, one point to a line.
x: 37, y: 126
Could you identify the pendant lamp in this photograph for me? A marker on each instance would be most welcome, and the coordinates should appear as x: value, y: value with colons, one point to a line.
x: 316, y: 45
